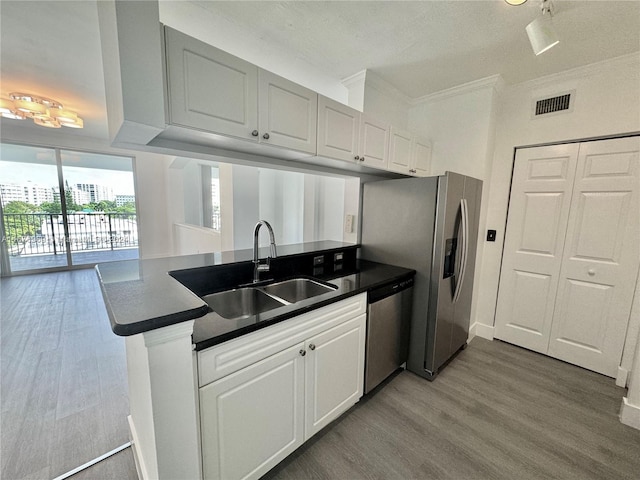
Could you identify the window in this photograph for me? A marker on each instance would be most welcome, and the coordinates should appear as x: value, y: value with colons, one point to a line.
x: 62, y: 208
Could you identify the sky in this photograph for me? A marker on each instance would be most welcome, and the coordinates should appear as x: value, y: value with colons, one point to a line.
x: 12, y: 172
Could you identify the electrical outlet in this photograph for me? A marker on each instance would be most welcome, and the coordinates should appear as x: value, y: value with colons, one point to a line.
x: 348, y: 224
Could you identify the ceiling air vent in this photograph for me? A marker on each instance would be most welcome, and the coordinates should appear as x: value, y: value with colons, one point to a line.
x: 559, y: 104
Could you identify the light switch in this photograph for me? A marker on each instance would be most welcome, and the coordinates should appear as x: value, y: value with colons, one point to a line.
x: 348, y: 223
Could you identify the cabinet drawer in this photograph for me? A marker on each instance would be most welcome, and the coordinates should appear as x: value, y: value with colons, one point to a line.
x: 226, y: 358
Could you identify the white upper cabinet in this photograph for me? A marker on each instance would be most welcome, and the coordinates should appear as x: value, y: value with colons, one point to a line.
x: 214, y: 91
x: 288, y: 113
x: 338, y: 130
x: 420, y: 157
x: 408, y: 153
x: 210, y: 89
x: 400, y: 150
x: 374, y: 142
x: 346, y: 134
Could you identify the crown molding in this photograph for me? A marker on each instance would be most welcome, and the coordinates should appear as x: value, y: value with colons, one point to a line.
x: 582, y: 71
x: 494, y: 81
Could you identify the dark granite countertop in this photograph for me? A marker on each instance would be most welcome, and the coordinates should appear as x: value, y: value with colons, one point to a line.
x: 140, y: 295
x: 212, y: 329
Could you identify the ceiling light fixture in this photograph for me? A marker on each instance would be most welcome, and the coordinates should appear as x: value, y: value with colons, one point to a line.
x: 515, y: 2
x: 542, y: 35
x: 45, y: 112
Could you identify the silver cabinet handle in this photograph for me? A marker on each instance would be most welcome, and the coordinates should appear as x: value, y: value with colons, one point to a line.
x: 357, y: 157
x: 362, y: 159
x: 265, y: 136
x: 303, y: 353
x: 254, y: 133
x: 312, y: 346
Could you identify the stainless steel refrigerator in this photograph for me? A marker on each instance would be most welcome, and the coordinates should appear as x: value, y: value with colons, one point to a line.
x: 429, y: 224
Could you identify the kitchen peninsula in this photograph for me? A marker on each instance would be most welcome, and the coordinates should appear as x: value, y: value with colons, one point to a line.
x: 215, y: 397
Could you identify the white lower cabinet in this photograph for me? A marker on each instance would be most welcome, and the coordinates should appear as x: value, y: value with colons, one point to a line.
x: 334, y: 375
x: 254, y: 418
x: 257, y: 413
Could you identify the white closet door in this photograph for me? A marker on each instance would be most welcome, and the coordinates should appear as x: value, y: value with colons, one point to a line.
x: 538, y: 211
x: 600, y: 259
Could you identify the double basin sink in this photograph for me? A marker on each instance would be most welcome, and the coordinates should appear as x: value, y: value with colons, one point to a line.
x: 245, y: 302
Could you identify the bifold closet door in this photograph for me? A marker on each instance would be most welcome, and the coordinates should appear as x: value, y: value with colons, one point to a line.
x: 571, y: 251
x: 600, y: 259
x: 538, y: 211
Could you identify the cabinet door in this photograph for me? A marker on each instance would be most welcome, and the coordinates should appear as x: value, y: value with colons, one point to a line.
x: 374, y: 142
x: 420, y: 157
x: 338, y: 130
x: 210, y: 89
x: 400, y: 142
x: 252, y: 419
x: 288, y: 113
x: 334, y: 373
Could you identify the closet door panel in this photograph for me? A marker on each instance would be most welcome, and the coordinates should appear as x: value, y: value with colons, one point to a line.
x: 538, y: 211
x: 600, y: 259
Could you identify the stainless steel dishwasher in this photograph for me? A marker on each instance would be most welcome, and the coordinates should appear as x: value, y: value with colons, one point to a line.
x: 388, y: 322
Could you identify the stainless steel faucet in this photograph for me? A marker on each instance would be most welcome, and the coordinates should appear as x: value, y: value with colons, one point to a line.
x: 257, y: 265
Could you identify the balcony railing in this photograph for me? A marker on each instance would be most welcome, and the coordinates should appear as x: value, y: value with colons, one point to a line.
x: 43, y: 233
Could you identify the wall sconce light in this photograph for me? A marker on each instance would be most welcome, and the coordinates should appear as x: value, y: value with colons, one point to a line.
x: 45, y: 112
x: 542, y: 35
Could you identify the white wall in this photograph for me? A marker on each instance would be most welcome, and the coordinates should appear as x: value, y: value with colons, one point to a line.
x: 460, y: 123
x: 607, y: 102
x: 152, y: 195
x: 460, y: 128
x: 383, y: 101
x: 246, y: 205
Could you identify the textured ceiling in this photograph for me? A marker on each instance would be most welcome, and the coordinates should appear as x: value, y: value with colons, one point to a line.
x: 53, y: 47
x: 424, y: 47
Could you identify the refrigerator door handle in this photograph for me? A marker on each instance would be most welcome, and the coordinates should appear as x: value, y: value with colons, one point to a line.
x: 464, y: 248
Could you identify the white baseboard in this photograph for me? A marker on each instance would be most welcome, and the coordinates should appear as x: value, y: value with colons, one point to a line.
x: 472, y: 332
x: 622, y: 376
x: 630, y: 414
x: 484, y: 331
x: 139, y: 461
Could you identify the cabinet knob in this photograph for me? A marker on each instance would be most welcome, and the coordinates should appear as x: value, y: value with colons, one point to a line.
x: 357, y: 157
x: 591, y: 272
x: 265, y: 136
x: 412, y: 170
x: 254, y: 133
x: 362, y: 159
x: 312, y: 346
x: 303, y: 353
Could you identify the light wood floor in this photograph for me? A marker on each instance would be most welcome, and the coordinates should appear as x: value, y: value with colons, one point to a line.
x: 64, y: 389
x: 497, y: 411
